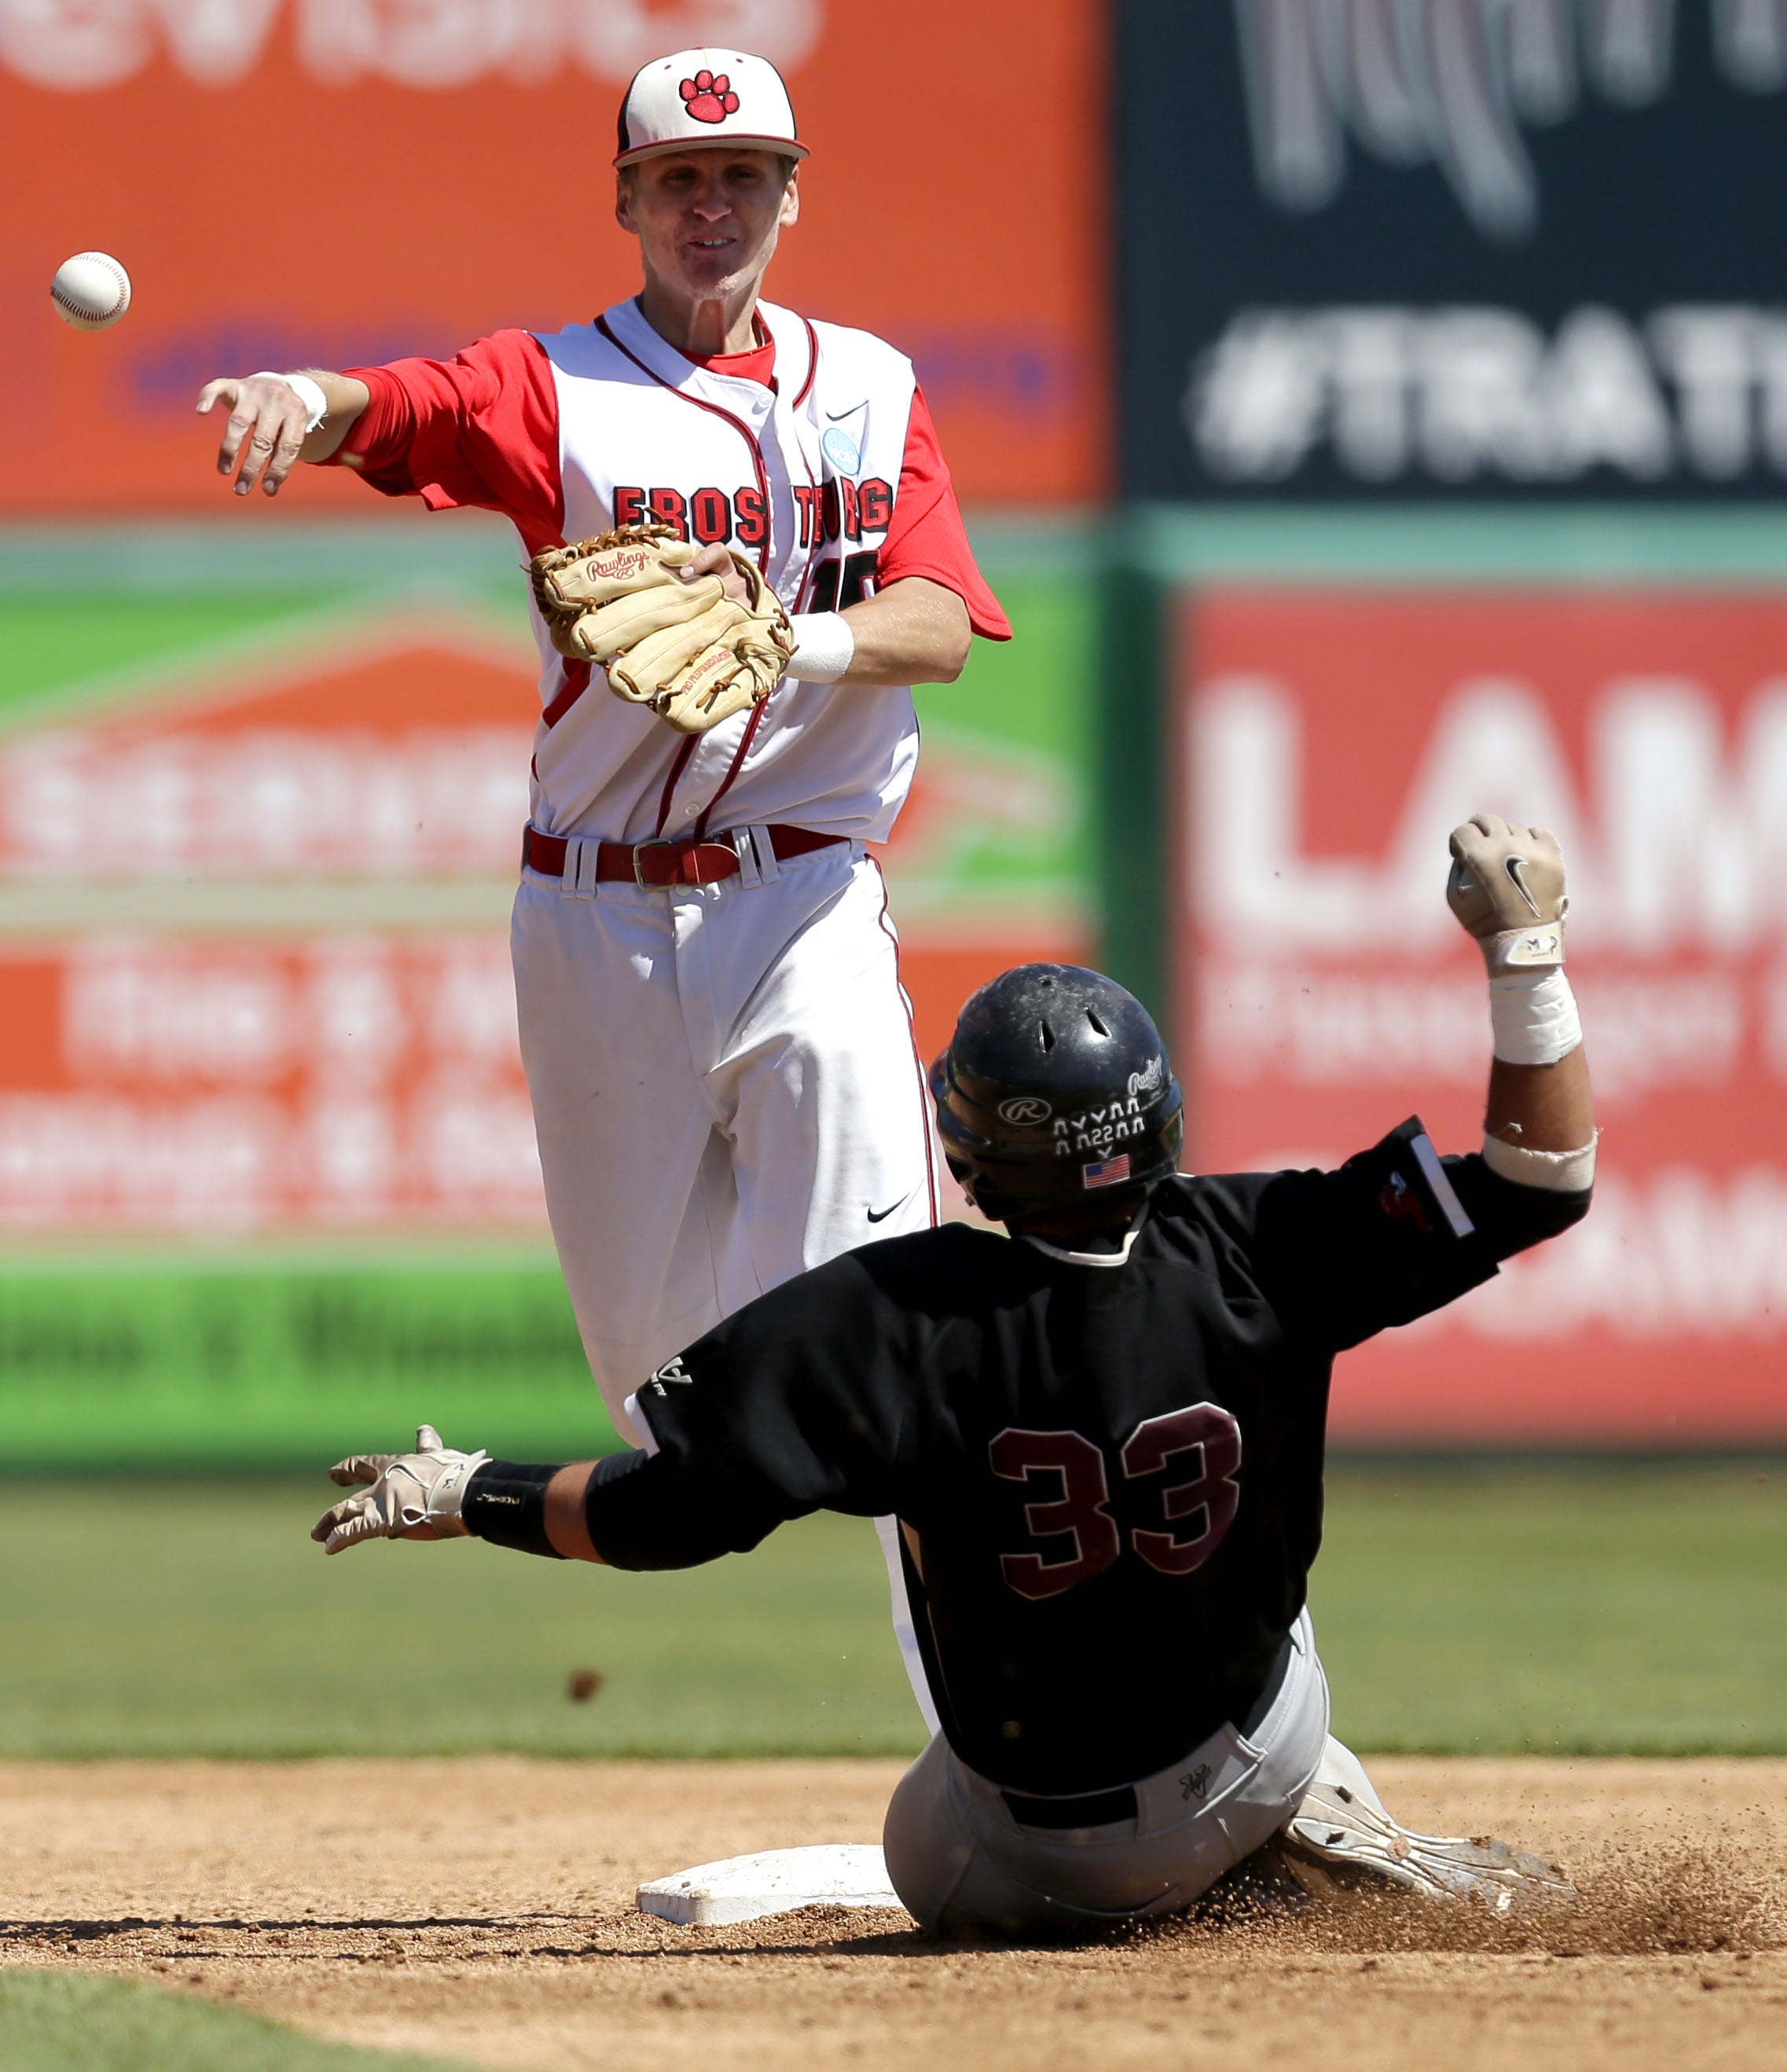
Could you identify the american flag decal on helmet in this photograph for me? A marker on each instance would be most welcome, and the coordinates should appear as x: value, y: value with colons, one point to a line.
x: 1107, y: 1175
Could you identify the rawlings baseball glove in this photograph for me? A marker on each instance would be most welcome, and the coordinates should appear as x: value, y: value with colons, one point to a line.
x: 692, y: 654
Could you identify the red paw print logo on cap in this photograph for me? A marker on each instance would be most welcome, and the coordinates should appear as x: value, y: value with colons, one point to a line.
x: 710, y: 96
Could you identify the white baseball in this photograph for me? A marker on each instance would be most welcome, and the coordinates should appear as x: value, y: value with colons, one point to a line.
x: 91, y: 290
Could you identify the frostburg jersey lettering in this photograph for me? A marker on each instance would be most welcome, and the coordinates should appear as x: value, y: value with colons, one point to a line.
x: 713, y: 516
x: 838, y: 505
x: 709, y: 516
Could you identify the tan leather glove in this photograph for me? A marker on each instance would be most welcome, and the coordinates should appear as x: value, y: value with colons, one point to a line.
x: 407, y: 1496
x: 692, y: 655
x: 1506, y: 887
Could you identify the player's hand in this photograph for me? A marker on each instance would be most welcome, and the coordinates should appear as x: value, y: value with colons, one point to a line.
x: 716, y: 561
x: 404, y: 1496
x: 1506, y: 887
x: 264, y: 431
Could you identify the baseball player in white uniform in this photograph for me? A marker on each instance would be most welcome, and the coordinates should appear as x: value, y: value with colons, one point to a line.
x: 724, y: 1082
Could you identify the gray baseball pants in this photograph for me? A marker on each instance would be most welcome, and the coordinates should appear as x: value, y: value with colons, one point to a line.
x: 961, y: 1858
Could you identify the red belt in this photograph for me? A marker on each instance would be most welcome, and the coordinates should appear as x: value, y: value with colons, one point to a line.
x: 664, y: 861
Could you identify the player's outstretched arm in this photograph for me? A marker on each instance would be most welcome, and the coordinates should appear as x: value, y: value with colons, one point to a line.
x: 273, y: 424
x: 1506, y: 887
x: 1398, y: 1232
x: 430, y: 1495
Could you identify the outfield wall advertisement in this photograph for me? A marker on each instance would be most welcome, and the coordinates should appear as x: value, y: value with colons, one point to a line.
x: 1328, y: 740
x: 268, y: 1179
x: 256, y: 976
x: 254, y: 972
x: 297, y: 183
x: 1506, y: 249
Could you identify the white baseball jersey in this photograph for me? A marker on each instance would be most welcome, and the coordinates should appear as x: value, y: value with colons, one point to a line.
x: 600, y: 424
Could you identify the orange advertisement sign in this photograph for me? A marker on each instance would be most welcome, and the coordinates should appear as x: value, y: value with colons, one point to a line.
x: 1329, y: 743
x: 232, y: 1083
x: 336, y: 182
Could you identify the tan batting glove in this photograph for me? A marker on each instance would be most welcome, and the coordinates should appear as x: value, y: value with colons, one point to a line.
x: 1506, y: 887
x: 407, y: 1496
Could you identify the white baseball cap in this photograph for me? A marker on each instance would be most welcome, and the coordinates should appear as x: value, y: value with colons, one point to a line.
x: 695, y: 97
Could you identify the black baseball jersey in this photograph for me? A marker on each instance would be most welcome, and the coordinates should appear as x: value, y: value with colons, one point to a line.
x: 1109, y: 1475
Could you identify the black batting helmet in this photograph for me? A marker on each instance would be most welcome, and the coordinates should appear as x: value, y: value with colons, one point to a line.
x: 1055, y: 1086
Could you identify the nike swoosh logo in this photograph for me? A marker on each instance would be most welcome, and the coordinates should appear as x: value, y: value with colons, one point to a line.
x: 1514, y: 865
x: 849, y: 410
x: 881, y: 1215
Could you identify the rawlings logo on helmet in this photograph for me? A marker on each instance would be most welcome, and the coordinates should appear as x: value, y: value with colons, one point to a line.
x: 709, y: 97
x: 1149, y: 1079
x: 1023, y: 1110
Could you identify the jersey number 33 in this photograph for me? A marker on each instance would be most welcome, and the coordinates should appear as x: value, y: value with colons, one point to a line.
x: 1199, y: 1448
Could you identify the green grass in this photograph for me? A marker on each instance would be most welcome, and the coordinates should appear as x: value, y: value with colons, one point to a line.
x: 1556, y: 1610
x: 1479, y: 1611
x: 200, y: 1620
x: 50, y: 2022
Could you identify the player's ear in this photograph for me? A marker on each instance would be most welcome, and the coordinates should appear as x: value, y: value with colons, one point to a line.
x: 623, y: 200
x: 790, y: 200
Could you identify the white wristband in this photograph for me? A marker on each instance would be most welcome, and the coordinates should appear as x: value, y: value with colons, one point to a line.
x: 310, y: 394
x: 1561, y: 1172
x: 824, y: 646
x: 1533, y: 1016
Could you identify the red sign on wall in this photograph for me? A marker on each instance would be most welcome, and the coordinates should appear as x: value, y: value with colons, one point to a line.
x: 230, y: 1084
x: 427, y: 171
x: 1329, y: 743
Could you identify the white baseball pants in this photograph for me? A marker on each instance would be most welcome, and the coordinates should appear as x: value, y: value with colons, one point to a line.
x: 725, y: 1090
x: 960, y: 1859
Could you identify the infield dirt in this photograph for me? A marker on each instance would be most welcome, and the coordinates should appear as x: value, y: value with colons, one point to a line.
x: 483, y: 1909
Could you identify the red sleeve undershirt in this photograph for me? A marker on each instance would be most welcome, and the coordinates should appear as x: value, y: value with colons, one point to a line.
x: 927, y: 537
x: 481, y: 429
x: 478, y: 430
